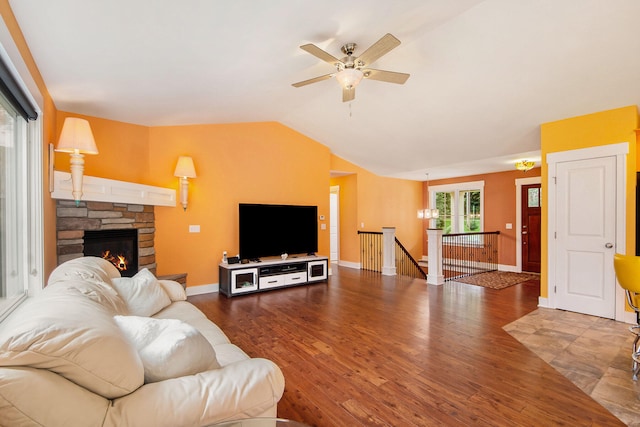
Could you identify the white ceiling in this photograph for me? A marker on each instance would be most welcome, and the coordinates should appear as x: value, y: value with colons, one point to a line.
x: 484, y: 74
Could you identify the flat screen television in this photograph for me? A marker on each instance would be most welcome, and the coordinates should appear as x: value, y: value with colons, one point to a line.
x: 270, y: 230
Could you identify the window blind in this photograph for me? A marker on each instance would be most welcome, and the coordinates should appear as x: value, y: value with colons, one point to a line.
x: 14, y: 94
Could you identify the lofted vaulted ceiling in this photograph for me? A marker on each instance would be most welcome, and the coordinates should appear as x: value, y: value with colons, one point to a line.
x: 484, y: 74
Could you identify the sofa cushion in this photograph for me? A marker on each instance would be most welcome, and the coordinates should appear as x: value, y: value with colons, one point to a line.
x: 99, y: 292
x: 174, y: 290
x: 75, y: 337
x: 168, y: 348
x: 142, y: 293
x: 189, y: 313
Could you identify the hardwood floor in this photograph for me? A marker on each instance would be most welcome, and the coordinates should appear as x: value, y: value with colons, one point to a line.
x: 365, y: 349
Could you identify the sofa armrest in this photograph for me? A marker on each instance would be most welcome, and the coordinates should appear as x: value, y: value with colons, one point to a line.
x: 37, y: 397
x: 243, y: 389
x: 175, y: 291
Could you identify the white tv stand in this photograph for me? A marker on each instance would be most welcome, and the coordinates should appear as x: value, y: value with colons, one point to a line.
x: 272, y: 273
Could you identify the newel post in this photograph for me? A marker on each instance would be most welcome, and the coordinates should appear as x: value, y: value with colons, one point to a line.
x: 388, y: 251
x: 435, y: 276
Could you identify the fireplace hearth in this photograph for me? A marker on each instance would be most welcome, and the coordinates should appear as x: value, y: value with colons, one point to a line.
x: 120, y: 247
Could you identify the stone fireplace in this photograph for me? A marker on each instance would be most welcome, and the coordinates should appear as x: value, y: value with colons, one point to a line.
x: 72, y: 222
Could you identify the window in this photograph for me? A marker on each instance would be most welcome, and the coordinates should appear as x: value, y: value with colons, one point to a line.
x: 460, y: 206
x: 533, y: 197
x: 20, y: 197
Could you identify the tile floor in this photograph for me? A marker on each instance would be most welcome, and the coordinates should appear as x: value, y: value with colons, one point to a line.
x: 594, y: 353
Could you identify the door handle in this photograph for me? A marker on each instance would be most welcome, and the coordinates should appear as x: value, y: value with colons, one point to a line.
x: 608, y: 245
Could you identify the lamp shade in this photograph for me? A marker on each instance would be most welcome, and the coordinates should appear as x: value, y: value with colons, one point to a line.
x: 349, y: 77
x: 185, y: 167
x: 76, y: 136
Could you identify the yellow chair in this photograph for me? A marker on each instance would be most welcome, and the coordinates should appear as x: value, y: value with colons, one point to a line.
x: 628, y: 274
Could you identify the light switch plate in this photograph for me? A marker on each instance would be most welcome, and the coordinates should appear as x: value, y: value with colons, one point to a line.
x: 194, y: 229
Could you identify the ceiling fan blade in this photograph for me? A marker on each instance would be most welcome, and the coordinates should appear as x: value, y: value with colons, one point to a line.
x: 313, y: 80
x: 385, y: 76
x: 376, y: 50
x: 348, y: 94
x: 319, y: 53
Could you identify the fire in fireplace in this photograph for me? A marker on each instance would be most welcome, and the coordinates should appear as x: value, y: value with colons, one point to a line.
x: 120, y: 247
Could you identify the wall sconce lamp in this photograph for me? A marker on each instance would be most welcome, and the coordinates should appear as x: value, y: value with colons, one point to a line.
x: 77, y: 140
x: 184, y: 170
x: 525, y: 165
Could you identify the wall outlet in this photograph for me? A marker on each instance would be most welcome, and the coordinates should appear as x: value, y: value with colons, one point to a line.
x: 194, y: 229
x: 509, y: 226
x: 323, y: 226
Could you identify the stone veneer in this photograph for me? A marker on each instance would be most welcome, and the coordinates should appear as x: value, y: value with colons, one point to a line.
x: 72, y: 221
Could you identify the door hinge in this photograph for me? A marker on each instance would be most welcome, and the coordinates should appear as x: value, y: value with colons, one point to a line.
x: 555, y: 180
x: 555, y: 290
x: 555, y: 234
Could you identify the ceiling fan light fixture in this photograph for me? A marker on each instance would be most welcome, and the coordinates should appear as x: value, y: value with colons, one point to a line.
x: 349, y: 77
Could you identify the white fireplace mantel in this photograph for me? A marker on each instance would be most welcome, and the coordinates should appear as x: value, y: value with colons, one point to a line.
x: 108, y: 190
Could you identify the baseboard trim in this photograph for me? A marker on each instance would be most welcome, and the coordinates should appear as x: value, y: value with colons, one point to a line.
x: 350, y: 264
x: 509, y: 268
x: 202, y: 289
x: 543, y: 302
x: 629, y: 317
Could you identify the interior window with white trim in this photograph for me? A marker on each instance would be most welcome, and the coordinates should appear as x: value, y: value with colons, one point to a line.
x: 12, y: 159
x: 460, y: 207
x: 21, y: 246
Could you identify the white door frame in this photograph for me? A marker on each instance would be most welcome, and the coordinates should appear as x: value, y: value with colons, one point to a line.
x: 335, y: 189
x: 519, y: 183
x: 620, y: 151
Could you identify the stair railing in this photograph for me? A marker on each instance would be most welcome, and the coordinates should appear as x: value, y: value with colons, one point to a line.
x: 372, y: 252
x: 406, y: 265
x: 466, y: 254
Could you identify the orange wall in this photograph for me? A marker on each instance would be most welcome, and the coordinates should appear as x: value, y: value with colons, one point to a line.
x: 591, y: 130
x: 123, y: 150
x: 235, y: 163
x: 380, y: 202
x: 499, y: 207
x: 247, y: 162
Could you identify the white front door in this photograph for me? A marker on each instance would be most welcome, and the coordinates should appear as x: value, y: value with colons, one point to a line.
x: 586, y: 236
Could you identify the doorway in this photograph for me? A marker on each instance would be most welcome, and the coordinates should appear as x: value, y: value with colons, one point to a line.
x: 520, y: 202
x: 531, y: 227
x: 586, y: 217
x: 334, y: 224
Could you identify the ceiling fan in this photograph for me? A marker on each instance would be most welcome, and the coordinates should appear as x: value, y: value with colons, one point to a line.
x: 350, y: 70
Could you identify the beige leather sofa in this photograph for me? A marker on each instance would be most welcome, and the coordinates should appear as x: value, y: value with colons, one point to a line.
x: 95, y: 349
